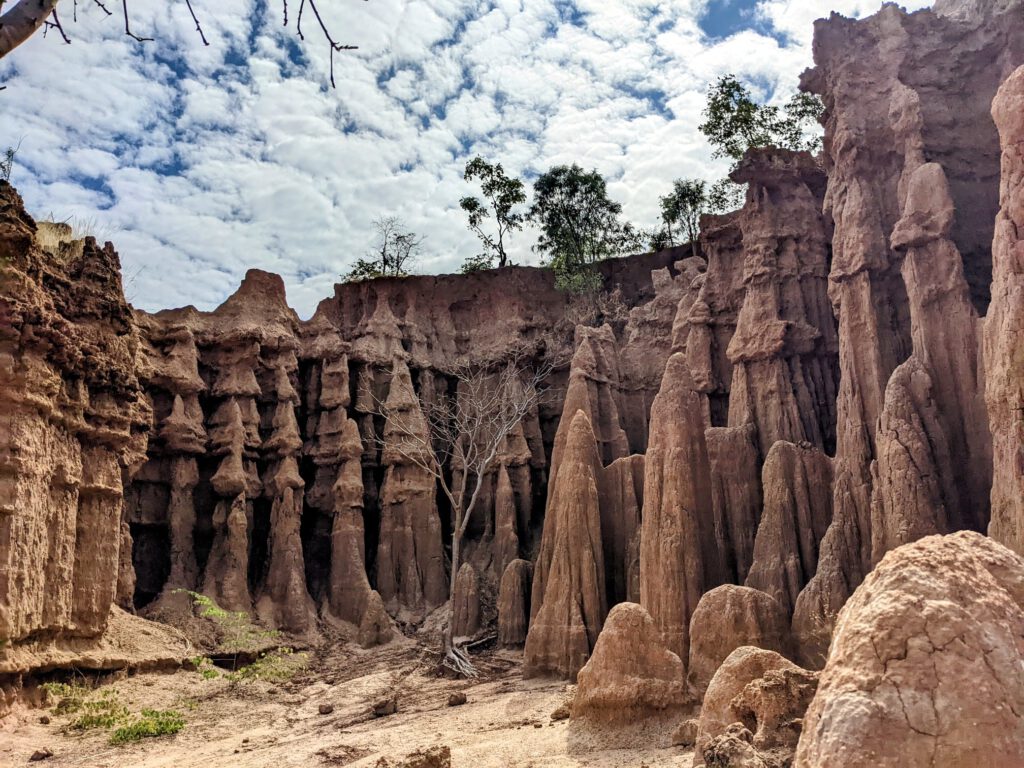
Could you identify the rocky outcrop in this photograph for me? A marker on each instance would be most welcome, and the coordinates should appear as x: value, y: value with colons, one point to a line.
x: 631, y: 677
x: 927, y: 663
x: 514, y: 604
x: 730, y: 617
x: 1004, y: 325
x: 887, y: 112
x: 410, y: 565
x: 772, y: 708
x: 73, y: 426
x: 679, y: 554
x: 572, y: 602
x: 797, y: 481
x: 751, y: 681
x: 783, y: 351
x: 466, y: 603
x: 621, y: 498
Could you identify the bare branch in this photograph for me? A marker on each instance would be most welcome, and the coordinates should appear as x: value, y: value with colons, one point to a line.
x: 199, y: 28
x: 22, y: 20
x: 55, y: 24
x: 127, y: 27
x: 103, y: 7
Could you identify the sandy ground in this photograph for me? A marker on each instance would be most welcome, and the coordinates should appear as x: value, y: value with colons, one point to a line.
x: 505, y: 723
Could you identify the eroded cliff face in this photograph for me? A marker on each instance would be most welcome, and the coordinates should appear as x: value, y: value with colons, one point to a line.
x: 836, y: 374
x: 279, y: 480
x: 74, y: 422
x: 912, y: 157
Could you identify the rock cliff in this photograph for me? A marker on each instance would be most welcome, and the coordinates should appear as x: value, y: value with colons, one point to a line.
x: 732, y: 439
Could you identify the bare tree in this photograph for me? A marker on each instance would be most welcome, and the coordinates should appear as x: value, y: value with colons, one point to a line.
x: 460, y: 443
x: 393, y: 256
x: 25, y: 17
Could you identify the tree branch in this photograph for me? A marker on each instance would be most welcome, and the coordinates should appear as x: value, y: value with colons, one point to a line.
x: 127, y: 27
x: 199, y: 28
x: 20, y: 22
x: 55, y: 24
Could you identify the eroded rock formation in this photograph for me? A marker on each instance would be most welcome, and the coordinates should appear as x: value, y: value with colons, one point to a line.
x: 927, y: 663
x: 730, y: 617
x: 570, y: 606
x: 911, y: 155
x: 1004, y: 325
x: 631, y: 676
x: 744, y: 667
x: 73, y: 430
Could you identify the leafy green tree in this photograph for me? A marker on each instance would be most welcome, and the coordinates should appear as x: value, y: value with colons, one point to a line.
x: 7, y: 163
x: 659, y: 239
x: 734, y: 122
x: 396, y: 252
x: 579, y: 225
x: 477, y: 263
x: 725, y: 196
x: 501, y: 196
x: 683, y: 207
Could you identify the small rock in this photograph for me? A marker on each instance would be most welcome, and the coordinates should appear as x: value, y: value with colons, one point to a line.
x: 685, y: 734
x: 40, y: 754
x: 435, y: 757
x: 538, y: 725
x: 562, y: 713
x: 325, y: 709
x: 245, y: 740
x: 457, y: 699
x: 44, y: 720
x: 386, y: 706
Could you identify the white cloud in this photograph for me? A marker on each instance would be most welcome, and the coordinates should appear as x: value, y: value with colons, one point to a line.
x: 206, y: 161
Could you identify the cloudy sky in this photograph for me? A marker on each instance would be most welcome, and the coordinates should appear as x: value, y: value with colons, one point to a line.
x: 199, y: 162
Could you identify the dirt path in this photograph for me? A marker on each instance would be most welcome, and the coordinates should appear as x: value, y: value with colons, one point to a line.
x: 505, y: 723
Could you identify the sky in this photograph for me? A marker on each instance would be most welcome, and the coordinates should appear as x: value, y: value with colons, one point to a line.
x: 200, y: 162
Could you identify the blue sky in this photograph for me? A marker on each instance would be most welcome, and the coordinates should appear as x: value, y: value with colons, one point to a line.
x: 199, y: 162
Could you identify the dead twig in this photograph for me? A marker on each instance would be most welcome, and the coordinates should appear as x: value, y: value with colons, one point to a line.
x: 127, y: 26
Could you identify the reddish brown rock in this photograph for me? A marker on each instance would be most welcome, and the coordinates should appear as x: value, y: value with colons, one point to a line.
x: 573, y: 604
x: 631, y: 676
x: 1004, y: 325
x: 898, y: 103
x: 594, y: 389
x: 927, y: 662
x: 349, y: 593
x: 466, y: 603
x: 752, y: 683
x: 678, y: 550
x: 514, y: 604
x: 506, y: 522
x: 71, y: 405
x: 734, y: 458
x: 621, y: 497
x: 797, y: 481
x: 410, y: 566
x: 730, y: 617
x: 783, y: 351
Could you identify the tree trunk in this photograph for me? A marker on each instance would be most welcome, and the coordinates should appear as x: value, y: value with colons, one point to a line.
x: 20, y: 22
x: 456, y: 562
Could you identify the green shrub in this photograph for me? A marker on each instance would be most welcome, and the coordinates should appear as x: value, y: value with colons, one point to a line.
x: 273, y: 666
x: 149, y: 724
x: 236, y: 631
x: 204, y: 666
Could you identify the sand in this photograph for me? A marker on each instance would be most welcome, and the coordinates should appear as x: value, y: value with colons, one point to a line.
x: 505, y: 722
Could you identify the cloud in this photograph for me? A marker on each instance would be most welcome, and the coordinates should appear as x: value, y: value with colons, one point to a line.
x: 206, y: 161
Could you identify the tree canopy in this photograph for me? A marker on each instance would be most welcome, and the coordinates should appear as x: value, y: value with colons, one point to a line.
x: 393, y: 256
x: 734, y: 122
x: 502, y: 195
x: 579, y: 224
